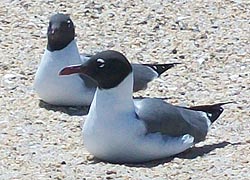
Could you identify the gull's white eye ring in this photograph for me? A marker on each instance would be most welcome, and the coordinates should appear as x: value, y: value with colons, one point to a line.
x: 69, y: 23
x: 100, y: 62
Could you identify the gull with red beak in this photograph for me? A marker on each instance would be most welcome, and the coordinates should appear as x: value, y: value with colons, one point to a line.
x: 77, y: 89
x: 120, y: 129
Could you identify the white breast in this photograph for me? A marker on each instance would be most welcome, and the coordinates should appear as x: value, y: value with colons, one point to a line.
x: 111, y: 125
x: 61, y: 90
x: 112, y: 132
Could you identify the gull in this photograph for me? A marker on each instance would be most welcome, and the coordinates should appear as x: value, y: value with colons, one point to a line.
x: 120, y: 129
x: 76, y: 90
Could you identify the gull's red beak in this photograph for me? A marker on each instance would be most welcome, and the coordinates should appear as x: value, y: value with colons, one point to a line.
x: 70, y: 70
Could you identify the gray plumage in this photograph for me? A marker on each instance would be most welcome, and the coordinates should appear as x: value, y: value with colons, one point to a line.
x: 176, y: 120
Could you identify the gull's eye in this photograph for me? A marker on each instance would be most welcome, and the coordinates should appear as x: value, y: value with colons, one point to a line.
x: 69, y: 23
x: 100, y: 63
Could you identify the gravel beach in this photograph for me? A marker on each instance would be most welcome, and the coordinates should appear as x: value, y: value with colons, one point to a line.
x: 211, y: 40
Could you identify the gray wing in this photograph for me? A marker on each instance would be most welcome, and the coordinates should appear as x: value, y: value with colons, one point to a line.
x: 144, y: 73
x: 142, y: 76
x: 160, y: 116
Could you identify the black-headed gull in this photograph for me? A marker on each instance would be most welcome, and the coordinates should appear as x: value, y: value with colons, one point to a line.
x: 120, y: 129
x: 62, y: 51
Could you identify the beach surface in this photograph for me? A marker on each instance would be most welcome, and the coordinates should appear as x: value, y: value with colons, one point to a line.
x: 211, y: 40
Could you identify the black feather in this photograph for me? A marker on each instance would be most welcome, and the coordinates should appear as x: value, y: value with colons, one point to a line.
x: 161, y: 68
x: 213, y: 111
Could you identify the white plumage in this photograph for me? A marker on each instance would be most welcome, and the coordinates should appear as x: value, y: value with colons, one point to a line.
x: 112, y: 131
x: 58, y: 90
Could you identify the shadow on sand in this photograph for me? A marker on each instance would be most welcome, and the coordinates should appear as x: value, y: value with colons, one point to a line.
x: 191, y: 153
x: 70, y: 110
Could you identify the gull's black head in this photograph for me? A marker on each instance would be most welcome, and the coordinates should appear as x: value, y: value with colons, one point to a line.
x: 107, y: 68
x: 61, y: 31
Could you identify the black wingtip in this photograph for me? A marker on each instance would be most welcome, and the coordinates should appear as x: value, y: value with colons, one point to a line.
x: 213, y: 111
x: 161, y: 68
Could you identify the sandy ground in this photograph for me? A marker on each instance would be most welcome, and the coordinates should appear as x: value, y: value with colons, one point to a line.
x: 212, y: 41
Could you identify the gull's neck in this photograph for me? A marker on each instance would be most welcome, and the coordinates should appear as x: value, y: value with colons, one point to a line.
x: 117, y: 100
x: 69, y: 55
